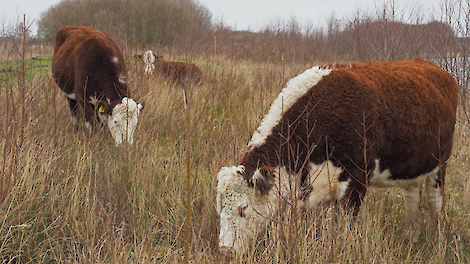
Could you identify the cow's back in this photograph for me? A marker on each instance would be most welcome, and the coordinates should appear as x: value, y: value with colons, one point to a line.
x: 75, y: 35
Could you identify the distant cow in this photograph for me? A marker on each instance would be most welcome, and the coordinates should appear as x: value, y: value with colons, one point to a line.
x: 178, y: 72
x: 89, y: 67
x: 331, y: 133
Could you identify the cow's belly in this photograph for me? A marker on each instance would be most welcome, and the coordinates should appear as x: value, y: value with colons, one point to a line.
x: 326, y: 187
x: 382, y: 179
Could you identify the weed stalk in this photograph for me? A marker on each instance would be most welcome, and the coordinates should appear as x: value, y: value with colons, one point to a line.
x: 188, y: 179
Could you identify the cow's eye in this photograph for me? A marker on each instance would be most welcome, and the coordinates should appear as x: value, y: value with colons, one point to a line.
x: 241, y: 210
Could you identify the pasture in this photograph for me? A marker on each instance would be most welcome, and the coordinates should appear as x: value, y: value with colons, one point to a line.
x: 72, y: 196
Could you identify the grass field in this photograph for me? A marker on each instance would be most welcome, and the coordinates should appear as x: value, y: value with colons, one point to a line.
x: 71, y: 196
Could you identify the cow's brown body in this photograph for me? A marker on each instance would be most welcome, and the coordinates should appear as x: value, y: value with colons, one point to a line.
x: 90, y: 68
x: 179, y: 72
x: 89, y: 65
x: 336, y: 130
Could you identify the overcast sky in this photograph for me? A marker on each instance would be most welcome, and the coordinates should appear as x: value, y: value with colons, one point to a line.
x: 247, y: 14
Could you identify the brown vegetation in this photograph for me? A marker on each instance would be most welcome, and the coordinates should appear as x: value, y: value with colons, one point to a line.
x: 68, y: 196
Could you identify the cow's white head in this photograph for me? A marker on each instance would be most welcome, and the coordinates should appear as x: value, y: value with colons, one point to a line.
x: 122, y: 119
x: 243, y: 210
x: 149, y: 60
x: 148, y: 57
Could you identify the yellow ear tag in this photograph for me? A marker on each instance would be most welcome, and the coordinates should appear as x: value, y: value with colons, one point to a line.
x: 101, y: 109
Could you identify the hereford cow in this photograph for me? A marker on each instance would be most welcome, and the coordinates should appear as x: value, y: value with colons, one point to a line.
x: 331, y: 133
x: 89, y: 67
x: 178, y: 72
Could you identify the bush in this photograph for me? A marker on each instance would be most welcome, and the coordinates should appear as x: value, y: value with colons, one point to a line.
x: 165, y: 22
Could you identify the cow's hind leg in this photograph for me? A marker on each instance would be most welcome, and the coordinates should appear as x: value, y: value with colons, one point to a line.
x: 433, y: 188
x: 412, y: 196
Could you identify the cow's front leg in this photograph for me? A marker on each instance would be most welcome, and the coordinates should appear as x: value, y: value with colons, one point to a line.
x: 73, y: 104
x: 90, y: 115
x: 353, y: 197
x: 351, y: 190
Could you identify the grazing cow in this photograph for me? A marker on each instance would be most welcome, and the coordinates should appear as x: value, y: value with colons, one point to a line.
x: 178, y: 72
x: 89, y: 67
x: 331, y: 133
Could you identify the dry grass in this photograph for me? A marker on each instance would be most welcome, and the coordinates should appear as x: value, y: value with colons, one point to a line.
x: 71, y: 196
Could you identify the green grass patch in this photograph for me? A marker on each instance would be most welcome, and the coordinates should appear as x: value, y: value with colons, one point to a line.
x: 10, y: 71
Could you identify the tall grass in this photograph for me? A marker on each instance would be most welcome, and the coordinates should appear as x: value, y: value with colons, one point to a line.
x: 70, y: 196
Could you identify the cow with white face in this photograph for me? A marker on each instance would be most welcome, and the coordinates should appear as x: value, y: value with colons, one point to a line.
x: 334, y: 131
x: 149, y: 60
x: 89, y: 67
x: 178, y: 72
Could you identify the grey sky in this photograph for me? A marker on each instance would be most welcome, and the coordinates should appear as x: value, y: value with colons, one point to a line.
x: 256, y: 14
x: 248, y: 14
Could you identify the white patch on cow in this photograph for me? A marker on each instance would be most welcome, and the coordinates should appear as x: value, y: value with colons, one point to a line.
x: 123, y: 120
x: 149, y: 68
x: 88, y: 125
x: 93, y: 100
x: 72, y: 96
x: 294, y: 89
x: 115, y: 59
x: 341, y: 188
x: 325, y: 185
x: 122, y: 78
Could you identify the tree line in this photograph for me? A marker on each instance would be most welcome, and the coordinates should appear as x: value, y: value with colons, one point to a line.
x: 182, y: 25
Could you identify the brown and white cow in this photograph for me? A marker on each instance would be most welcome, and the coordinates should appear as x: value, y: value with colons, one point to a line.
x: 178, y: 72
x: 89, y: 67
x: 335, y: 132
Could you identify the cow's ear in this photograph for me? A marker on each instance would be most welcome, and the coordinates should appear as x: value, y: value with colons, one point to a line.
x: 105, y: 108
x: 263, y: 180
